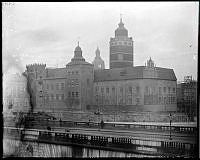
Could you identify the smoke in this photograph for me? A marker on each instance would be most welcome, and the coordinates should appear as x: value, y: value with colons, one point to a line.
x: 12, y: 61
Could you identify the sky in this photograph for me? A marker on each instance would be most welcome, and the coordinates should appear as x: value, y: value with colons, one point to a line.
x: 41, y: 32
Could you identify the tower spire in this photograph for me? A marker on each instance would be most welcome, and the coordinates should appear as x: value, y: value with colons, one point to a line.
x: 78, y: 40
x: 120, y: 17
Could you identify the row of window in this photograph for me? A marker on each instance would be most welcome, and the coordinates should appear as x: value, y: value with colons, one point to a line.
x: 73, y: 94
x: 151, y: 90
x: 72, y: 72
x: 16, y: 103
x: 52, y: 97
x: 113, y: 89
x: 114, y: 100
x: 151, y: 99
x: 59, y: 86
x: 170, y: 90
x: 121, y: 43
x: 73, y: 82
x: 119, y: 56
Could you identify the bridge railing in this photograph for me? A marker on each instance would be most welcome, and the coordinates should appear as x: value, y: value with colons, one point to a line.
x: 152, y: 146
x: 114, y: 125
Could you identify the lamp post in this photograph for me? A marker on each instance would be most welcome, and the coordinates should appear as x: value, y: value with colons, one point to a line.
x: 170, y: 120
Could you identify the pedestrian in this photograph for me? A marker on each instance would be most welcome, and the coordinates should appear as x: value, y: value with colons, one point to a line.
x: 102, y: 124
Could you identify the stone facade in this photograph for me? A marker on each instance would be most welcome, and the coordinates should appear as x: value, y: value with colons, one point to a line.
x: 187, y: 98
x: 82, y: 86
x: 146, y: 90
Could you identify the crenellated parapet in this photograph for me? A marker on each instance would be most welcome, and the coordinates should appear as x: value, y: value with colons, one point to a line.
x: 35, y: 67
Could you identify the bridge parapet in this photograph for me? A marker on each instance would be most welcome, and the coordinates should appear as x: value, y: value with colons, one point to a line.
x: 108, y: 142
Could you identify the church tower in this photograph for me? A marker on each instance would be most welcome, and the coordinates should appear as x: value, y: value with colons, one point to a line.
x: 121, y: 48
x: 98, y: 61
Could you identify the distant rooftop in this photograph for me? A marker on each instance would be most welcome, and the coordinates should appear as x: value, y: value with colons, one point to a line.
x: 132, y: 73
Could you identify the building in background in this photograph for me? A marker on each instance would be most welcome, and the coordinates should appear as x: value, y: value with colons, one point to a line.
x: 121, y: 48
x: 187, y: 97
x: 15, y: 96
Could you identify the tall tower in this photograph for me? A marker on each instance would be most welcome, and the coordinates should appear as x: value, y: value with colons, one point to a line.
x: 121, y: 48
x: 98, y: 61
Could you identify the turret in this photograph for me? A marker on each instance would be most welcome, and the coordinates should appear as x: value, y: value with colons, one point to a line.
x: 35, y: 69
x: 98, y: 62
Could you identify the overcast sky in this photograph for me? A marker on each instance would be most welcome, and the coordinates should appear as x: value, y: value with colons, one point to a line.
x: 48, y: 32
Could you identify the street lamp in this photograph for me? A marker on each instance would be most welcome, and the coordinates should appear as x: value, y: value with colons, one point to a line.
x: 170, y: 121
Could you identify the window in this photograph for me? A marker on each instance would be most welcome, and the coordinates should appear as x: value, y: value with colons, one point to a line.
x: 57, y: 86
x: 107, y: 90
x: 130, y: 90
x: 72, y: 82
x: 159, y: 90
x: 62, y: 86
x: 57, y: 97
x: 102, y: 90
x: 52, y: 97
x: 97, y: 88
x: 76, y: 81
x: 164, y: 89
x: 168, y: 89
x: 173, y: 90
x: 113, y: 89
x: 137, y: 100
x: 76, y: 94
x: 121, y: 89
x: 72, y: 94
x: 165, y: 100
x: 137, y: 89
x: 125, y: 43
x: 129, y: 43
x: 120, y: 56
x: 76, y: 72
x: 130, y: 100
x: 62, y: 96
x: 159, y: 100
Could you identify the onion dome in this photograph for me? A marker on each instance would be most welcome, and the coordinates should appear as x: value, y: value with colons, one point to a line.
x: 78, y: 58
x: 78, y: 52
x: 121, y: 31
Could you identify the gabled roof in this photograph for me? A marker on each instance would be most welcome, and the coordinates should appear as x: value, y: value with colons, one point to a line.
x: 130, y: 73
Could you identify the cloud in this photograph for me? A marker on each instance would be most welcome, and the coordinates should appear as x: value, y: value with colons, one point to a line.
x: 49, y: 32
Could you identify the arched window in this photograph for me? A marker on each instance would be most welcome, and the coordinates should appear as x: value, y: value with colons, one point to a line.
x: 130, y: 89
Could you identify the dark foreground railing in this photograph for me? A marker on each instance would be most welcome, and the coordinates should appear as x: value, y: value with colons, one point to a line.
x: 106, y: 142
